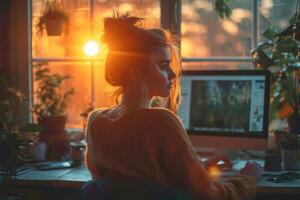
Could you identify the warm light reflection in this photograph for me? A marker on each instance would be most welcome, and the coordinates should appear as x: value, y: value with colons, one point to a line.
x: 266, y: 7
x: 91, y: 48
x: 192, y: 27
x: 239, y: 14
x: 125, y: 7
x: 189, y: 12
x: 230, y: 27
x: 214, y: 171
x: 188, y: 47
x: 205, y: 5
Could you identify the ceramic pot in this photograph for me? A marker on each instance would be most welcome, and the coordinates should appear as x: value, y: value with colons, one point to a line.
x: 53, y: 124
x: 54, y: 27
x: 294, y: 123
x: 290, y: 159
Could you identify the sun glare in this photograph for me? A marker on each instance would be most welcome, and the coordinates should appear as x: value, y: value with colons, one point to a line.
x: 91, y: 48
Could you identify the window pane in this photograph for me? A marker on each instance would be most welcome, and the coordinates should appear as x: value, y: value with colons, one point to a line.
x: 81, y: 76
x: 216, y: 65
x: 205, y: 35
x: 71, y: 44
x: 275, y: 13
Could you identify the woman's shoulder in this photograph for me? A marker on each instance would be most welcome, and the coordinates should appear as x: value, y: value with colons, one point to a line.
x: 157, y: 116
x: 143, y: 116
x: 95, y: 113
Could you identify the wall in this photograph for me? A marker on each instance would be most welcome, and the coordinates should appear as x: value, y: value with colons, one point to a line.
x: 14, y: 47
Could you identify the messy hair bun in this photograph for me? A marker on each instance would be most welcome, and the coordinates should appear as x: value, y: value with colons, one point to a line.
x: 128, y: 33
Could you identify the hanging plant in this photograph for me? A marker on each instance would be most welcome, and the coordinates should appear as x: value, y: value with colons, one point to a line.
x: 222, y: 8
x: 53, y: 18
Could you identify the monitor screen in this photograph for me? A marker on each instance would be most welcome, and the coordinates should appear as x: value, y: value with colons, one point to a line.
x: 228, y: 105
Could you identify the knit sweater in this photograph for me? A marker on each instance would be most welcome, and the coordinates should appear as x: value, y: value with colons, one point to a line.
x: 152, y: 145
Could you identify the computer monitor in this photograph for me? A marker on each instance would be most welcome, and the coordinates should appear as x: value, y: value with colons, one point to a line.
x: 226, y: 109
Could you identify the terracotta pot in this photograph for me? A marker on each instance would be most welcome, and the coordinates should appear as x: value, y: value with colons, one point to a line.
x: 53, y: 124
x: 54, y: 27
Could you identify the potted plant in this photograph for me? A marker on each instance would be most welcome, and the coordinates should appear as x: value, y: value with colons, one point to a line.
x: 54, y: 18
x: 290, y: 150
x: 279, y: 53
x: 52, y: 99
x: 11, y: 142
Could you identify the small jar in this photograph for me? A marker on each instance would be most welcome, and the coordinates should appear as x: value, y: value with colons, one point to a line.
x: 77, y: 149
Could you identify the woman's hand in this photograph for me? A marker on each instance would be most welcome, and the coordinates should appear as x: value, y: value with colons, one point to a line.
x: 220, y: 161
x: 252, y: 169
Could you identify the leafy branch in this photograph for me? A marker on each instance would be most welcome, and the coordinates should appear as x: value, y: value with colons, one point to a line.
x: 52, y: 99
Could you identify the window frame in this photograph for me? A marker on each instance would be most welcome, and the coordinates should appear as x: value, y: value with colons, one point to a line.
x: 170, y: 19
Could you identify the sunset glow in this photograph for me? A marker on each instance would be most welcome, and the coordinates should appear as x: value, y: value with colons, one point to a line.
x: 91, y: 48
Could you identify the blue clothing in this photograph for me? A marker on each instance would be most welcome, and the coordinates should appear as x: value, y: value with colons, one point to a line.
x: 108, y: 188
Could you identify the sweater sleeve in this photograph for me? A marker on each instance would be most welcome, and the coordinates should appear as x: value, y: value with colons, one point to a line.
x: 181, y: 163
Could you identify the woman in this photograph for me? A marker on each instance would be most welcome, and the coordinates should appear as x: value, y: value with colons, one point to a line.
x: 132, y: 141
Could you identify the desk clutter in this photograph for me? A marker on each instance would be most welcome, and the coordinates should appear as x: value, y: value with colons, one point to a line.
x: 57, y: 146
x: 284, y: 177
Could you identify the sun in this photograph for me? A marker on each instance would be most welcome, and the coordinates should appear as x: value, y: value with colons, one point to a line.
x: 91, y: 48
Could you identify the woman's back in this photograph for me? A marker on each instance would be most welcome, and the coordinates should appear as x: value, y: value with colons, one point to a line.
x: 131, y: 146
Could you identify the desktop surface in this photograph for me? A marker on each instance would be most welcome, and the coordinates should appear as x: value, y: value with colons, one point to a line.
x: 74, y: 178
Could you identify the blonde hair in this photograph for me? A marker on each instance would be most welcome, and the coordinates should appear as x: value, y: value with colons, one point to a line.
x: 130, y: 48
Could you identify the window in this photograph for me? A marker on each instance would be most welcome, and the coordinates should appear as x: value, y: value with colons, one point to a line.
x: 207, y: 41
x: 64, y: 54
x: 211, y: 43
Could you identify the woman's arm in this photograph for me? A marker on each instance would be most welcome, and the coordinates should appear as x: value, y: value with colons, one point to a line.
x: 181, y: 163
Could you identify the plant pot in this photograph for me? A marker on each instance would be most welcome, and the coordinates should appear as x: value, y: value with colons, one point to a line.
x: 54, y: 27
x: 294, y: 123
x: 53, y: 125
x: 290, y: 159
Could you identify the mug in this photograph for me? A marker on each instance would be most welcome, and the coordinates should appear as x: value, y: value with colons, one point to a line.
x: 77, y: 149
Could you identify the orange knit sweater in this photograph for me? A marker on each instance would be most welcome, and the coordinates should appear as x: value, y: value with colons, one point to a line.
x: 151, y: 144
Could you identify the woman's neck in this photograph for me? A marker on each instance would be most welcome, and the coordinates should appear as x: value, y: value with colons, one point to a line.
x: 126, y: 103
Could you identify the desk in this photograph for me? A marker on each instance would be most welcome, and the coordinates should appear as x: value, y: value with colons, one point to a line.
x: 66, y: 183
x: 268, y: 189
